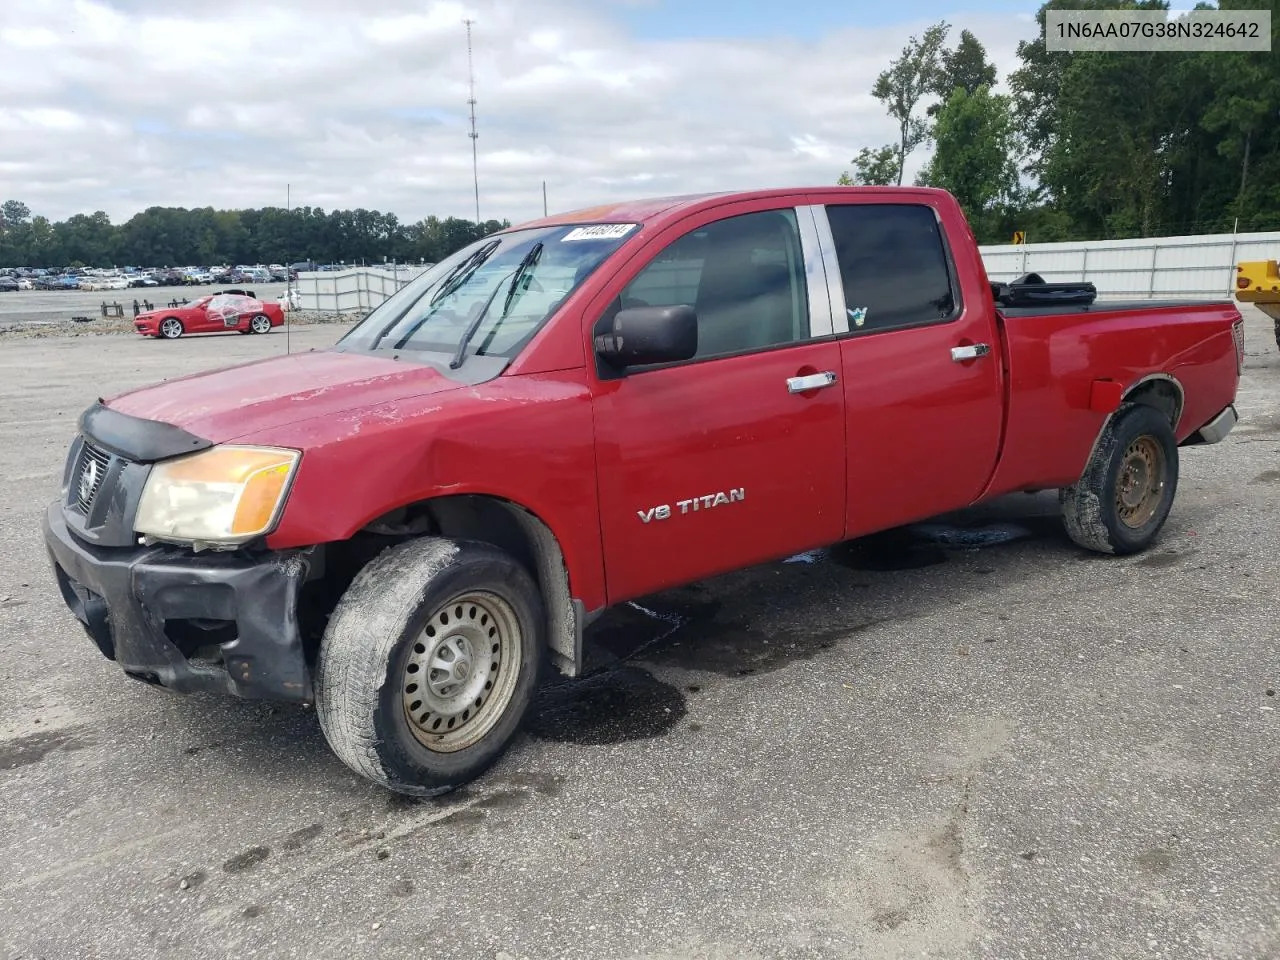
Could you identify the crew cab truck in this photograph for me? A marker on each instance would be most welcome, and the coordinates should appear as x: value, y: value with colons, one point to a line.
x: 407, y: 527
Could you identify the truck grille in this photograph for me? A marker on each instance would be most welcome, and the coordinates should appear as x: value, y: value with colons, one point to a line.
x: 90, y: 472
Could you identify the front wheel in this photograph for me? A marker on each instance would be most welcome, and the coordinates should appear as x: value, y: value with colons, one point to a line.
x: 429, y: 664
x: 1122, y: 501
x: 171, y: 328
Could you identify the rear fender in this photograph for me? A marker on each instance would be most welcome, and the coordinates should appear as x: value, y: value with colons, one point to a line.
x: 1159, y: 390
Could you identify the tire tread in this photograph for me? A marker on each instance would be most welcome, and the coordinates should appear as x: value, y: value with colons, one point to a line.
x: 358, y: 642
x: 1083, y: 512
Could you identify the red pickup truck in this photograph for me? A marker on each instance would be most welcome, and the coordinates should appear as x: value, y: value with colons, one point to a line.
x: 405, y: 527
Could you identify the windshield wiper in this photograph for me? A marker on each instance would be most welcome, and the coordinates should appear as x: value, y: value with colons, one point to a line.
x: 456, y: 278
x: 524, y: 266
x: 462, y: 272
x: 528, y: 263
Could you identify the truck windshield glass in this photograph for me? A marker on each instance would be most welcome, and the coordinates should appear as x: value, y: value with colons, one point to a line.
x: 491, y: 297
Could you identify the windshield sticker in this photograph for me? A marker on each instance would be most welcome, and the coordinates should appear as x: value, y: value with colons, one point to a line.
x: 600, y: 231
x: 858, y: 315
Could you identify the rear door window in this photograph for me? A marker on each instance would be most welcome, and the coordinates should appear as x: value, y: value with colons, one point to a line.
x: 893, y: 265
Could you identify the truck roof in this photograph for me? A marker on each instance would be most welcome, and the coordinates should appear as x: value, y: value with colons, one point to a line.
x: 654, y: 209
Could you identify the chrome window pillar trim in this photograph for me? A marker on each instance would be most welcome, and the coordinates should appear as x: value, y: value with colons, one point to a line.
x: 831, y: 266
x: 822, y: 316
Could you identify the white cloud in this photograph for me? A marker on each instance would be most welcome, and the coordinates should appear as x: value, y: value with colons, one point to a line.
x: 130, y: 104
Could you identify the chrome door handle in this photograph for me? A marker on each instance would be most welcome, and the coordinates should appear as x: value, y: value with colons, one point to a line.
x: 814, y: 381
x: 972, y: 352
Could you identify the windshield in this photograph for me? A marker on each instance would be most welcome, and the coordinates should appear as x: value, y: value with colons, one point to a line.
x: 491, y: 297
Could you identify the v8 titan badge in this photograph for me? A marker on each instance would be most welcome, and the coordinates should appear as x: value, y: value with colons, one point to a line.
x: 693, y: 505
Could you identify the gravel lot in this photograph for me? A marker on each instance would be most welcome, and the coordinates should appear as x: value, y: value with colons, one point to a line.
x: 894, y: 750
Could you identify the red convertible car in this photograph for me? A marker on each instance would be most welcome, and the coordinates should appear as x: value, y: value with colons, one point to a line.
x: 220, y: 312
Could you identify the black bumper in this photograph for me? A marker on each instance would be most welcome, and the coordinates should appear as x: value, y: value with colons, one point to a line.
x: 213, y: 622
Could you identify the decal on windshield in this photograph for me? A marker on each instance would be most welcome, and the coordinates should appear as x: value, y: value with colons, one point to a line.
x: 600, y: 231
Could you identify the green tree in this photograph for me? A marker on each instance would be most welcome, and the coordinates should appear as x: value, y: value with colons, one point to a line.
x: 1244, y: 112
x: 873, y: 167
x: 975, y: 157
x: 966, y: 67
x: 15, y: 233
x: 906, y: 81
x: 14, y: 212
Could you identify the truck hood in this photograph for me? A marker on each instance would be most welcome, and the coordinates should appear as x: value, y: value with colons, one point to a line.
x: 221, y: 405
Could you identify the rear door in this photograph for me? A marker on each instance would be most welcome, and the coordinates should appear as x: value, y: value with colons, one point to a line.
x: 733, y: 457
x: 920, y: 365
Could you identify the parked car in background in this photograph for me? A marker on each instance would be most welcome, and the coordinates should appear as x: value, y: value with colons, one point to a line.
x: 9, y: 285
x: 217, y: 313
x: 143, y: 280
x: 26, y: 283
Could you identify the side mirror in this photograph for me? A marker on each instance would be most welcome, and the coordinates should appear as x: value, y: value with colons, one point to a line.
x: 643, y: 335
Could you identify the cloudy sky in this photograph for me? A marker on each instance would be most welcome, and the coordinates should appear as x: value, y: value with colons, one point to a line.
x: 117, y: 105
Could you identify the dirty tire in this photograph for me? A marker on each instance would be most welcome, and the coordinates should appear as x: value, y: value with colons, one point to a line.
x: 370, y: 643
x: 1089, y: 508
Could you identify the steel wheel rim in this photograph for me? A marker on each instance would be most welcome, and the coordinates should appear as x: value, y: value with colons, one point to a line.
x: 461, y: 671
x: 260, y: 324
x: 171, y: 328
x: 1140, y: 486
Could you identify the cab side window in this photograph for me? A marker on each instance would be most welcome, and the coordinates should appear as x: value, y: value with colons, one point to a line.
x: 893, y: 265
x: 744, y: 276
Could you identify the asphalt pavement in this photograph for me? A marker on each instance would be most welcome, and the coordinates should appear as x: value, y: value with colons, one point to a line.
x: 901, y: 748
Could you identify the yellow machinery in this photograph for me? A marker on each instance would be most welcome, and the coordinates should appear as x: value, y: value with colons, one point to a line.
x: 1258, y: 282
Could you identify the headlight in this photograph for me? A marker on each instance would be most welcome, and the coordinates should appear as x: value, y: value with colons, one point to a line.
x: 221, y: 496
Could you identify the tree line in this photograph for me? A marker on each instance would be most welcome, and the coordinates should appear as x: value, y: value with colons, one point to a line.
x: 176, y: 236
x: 1088, y: 145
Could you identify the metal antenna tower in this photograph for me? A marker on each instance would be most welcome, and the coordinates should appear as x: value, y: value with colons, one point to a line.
x: 471, y: 81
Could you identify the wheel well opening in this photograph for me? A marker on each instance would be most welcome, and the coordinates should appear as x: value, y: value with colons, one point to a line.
x: 1162, y: 393
x: 491, y: 520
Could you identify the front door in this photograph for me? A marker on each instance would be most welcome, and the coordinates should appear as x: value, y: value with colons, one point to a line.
x: 921, y: 366
x: 736, y: 456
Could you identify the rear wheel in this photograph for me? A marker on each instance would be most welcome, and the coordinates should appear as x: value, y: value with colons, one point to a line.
x: 429, y: 664
x: 260, y: 324
x: 1122, y: 501
x: 171, y: 328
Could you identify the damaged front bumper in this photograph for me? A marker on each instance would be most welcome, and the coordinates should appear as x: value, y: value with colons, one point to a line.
x: 222, y: 623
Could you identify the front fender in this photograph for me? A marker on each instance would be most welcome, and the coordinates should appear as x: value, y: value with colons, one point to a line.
x: 526, y: 440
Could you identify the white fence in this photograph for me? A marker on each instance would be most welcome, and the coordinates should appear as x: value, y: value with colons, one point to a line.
x: 356, y: 290
x: 1201, y: 267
